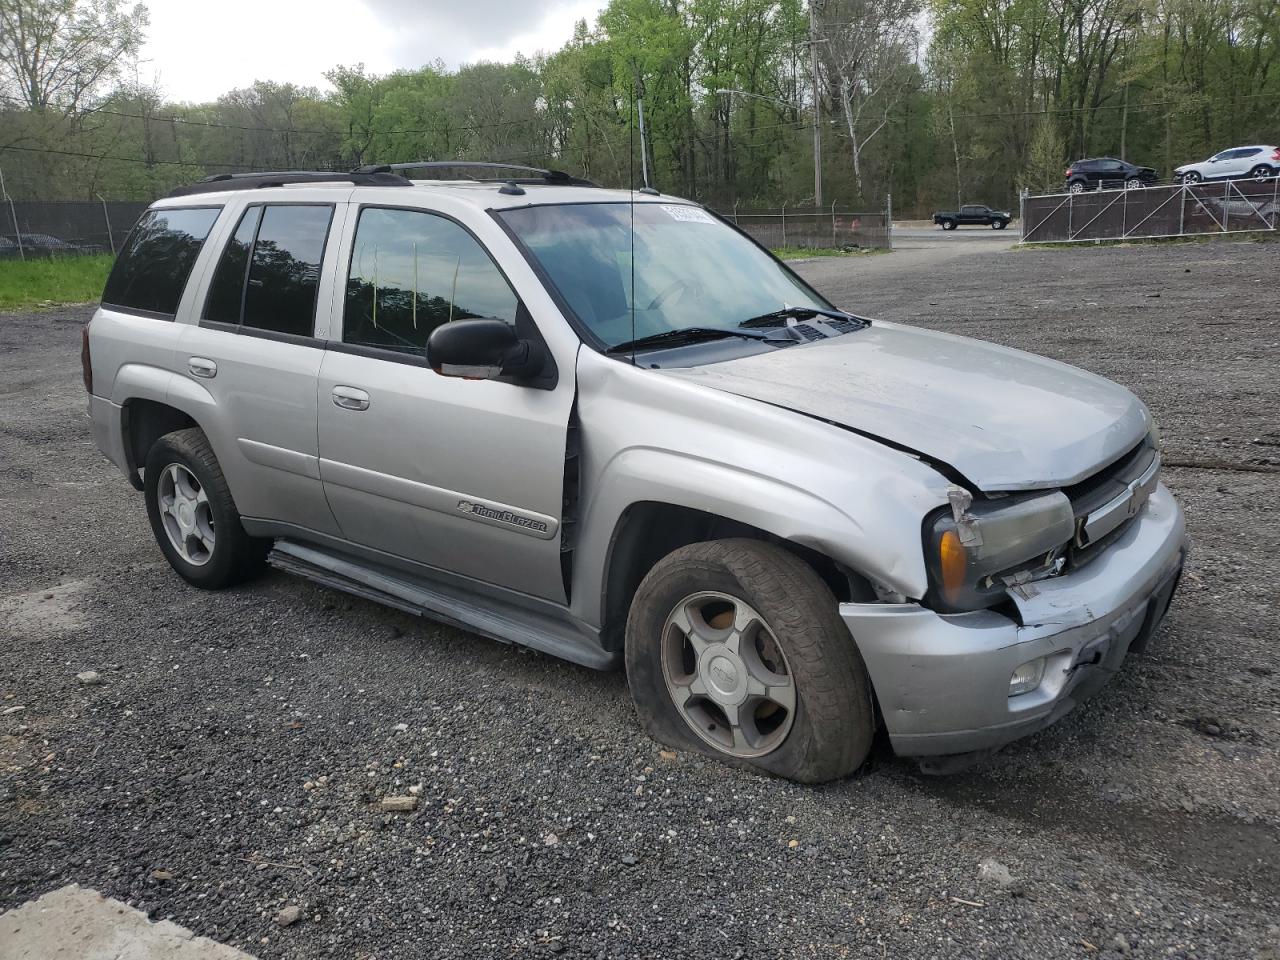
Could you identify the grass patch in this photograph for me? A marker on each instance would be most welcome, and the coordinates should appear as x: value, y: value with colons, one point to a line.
x: 803, y: 253
x: 44, y: 282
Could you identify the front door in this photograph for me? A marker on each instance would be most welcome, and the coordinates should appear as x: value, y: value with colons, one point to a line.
x: 466, y: 476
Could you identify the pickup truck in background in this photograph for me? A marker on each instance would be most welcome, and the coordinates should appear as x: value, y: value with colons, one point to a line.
x: 972, y: 213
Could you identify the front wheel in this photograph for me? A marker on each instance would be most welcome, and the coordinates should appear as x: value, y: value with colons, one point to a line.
x: 998, y: 224
x: 948, y: 224
x: 192, y: 515
x: 1133, y: 183
x: 735, y: 649
x: 1192, y: 177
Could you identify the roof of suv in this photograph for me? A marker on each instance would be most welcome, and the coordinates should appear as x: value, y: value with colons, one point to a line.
x: 484, y: 194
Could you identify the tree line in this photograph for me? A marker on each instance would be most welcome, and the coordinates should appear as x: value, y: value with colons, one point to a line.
x: 934, y: 101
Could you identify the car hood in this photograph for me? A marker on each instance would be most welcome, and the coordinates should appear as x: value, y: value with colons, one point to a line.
x: 1004, y: 419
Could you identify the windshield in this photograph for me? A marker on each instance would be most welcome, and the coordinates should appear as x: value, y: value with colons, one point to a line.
x: 691, y: 270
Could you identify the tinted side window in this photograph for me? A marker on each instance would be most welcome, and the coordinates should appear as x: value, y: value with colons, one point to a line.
x: 284, y: 269
x: 226, y: 293
x: 412, y: 271
x: 156, y: 260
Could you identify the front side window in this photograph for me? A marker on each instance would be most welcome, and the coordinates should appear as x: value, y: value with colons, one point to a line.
x: 269, y: 273
x: 412, y: 271
x: 691, y: 270
x: 156, y: 260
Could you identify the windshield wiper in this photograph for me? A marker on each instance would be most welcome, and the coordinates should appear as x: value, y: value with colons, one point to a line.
x: 779, y: 318
x: 675, y: 338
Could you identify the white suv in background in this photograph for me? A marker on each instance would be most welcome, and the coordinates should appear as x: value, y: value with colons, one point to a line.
x: 1258, y: 162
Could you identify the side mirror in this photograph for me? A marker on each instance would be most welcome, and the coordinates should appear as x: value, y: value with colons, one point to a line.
x: 481, y: 350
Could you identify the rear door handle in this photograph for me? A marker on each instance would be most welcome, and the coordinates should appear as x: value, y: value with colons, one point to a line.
x: 202, y: 367
x: 350, y: 398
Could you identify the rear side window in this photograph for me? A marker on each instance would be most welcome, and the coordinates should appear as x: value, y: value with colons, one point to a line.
x: 269, y: 273
x: 226, y: 294
x: 412, y: 271
x: 153, y: 267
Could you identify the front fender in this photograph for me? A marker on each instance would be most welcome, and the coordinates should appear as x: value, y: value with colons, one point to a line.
x: 648, y: 437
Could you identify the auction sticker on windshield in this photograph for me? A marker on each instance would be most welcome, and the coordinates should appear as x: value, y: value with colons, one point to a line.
x: 688, y: 214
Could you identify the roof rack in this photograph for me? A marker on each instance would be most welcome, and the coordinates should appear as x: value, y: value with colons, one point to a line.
x: 542, y: 175
x: 254, y: 181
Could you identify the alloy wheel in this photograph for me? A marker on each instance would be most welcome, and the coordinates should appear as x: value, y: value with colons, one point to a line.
x: 186, y: 514
x: 727, y: 674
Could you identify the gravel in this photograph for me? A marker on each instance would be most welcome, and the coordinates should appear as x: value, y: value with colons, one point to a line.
x: 235, y: 759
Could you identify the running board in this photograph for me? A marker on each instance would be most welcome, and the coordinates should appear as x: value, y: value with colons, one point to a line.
x: 495, y: 619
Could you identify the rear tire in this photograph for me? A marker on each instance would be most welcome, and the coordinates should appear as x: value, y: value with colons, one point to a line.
x: 1076, y: 186
x: 685, y: 668
x: 1262, y: 172
x: 193, y: 516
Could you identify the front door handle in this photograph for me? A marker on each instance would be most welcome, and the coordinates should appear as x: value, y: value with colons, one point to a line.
x: 350, y: 398
x: 202, y: 367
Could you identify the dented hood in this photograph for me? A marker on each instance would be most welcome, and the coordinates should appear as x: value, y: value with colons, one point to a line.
x: 1005, y: 419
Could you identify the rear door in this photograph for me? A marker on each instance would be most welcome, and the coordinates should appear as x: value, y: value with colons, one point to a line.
x: 255, y: 352
x: 466, y: 476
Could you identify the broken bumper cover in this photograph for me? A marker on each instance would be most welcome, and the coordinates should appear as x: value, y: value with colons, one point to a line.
x: 943, y: 680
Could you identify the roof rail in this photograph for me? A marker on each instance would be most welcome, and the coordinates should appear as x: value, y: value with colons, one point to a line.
x: 254, y: 181
x: 543, y: 175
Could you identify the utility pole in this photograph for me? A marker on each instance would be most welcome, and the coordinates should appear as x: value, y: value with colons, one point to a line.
x: 817, y: 106
x: 644, y: 145
x: 1124, y: 124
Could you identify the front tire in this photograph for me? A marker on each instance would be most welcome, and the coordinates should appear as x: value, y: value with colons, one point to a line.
x: 948, y: 224
x: 735, y: 649
x: 1192, y: 178
x: 193, y: 516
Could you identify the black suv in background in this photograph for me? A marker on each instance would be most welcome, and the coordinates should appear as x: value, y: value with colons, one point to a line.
x: 1107, y: 173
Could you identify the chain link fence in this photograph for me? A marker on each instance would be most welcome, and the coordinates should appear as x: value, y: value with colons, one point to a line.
x: 1176, y: 210
x: 813, y: 229
x: 31, y: 229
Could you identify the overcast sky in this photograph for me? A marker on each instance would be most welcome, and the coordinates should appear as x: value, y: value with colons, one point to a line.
x: 195, y: 53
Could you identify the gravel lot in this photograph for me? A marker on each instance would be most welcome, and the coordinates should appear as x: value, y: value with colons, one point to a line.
x: 231, y: 759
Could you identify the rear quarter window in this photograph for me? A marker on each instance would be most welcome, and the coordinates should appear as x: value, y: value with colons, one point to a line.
x: 156, y: 260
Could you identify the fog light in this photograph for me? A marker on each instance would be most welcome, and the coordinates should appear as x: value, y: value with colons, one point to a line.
x: 1027, y: 677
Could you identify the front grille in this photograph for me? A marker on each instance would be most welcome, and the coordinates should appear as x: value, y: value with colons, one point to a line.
x: 1099, y: 490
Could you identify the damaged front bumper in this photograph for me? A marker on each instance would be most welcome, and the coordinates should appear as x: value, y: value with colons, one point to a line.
x: 943, y: 680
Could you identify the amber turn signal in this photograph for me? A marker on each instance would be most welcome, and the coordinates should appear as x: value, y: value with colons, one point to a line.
x: 951, y: 553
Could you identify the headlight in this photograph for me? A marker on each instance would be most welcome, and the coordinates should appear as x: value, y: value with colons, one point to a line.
x: 976, y: 550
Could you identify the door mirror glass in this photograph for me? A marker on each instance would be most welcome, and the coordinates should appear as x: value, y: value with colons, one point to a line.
x: 481, y: 350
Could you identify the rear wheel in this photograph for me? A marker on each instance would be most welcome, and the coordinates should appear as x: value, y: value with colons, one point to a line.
x: 1077, y: 186
x: 1261, y: 172
x: 735, y: 649
x: 192, y: 515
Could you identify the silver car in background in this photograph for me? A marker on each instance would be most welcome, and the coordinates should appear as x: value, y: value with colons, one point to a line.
x: 609, y: 426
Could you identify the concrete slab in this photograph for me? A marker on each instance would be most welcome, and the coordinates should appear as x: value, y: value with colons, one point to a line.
x: 73, y: 923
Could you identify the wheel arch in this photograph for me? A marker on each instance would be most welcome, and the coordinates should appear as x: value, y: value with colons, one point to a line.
x: 648, y: 530
x: 154, y: 403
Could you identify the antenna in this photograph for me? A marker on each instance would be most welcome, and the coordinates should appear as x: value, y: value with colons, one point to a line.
x: 631, y: 183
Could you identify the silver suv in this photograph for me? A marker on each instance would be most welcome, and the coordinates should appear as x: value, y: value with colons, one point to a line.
x: 609, y: 426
